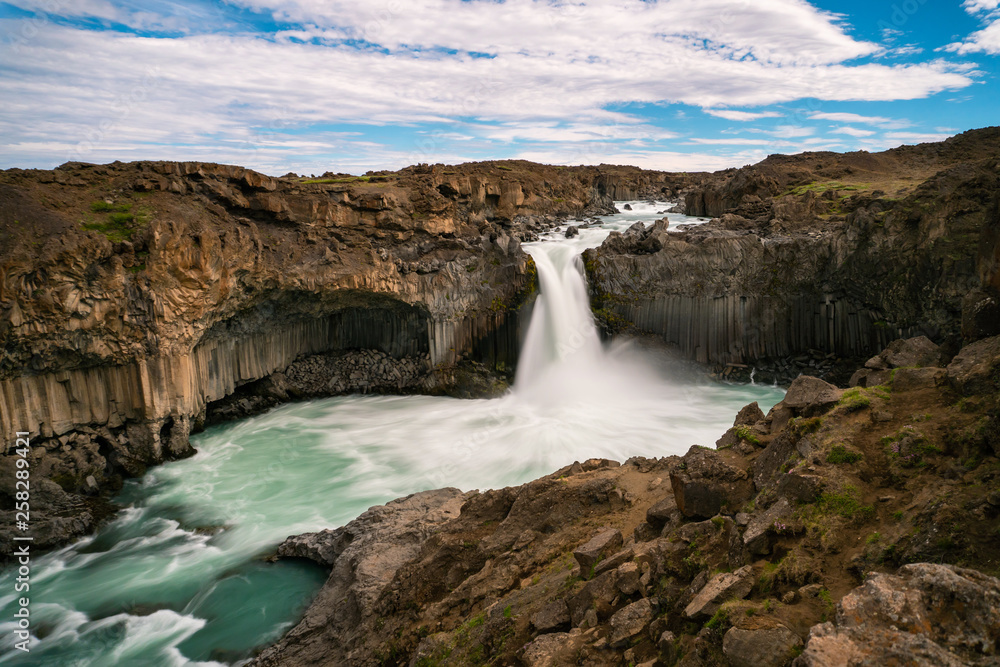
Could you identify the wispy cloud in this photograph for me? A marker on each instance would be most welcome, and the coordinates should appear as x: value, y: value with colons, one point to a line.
x: 493, y: 76
x: 878, y: 121
x: 730, y: 114
x: 852, y: 131
x: 986, y: 40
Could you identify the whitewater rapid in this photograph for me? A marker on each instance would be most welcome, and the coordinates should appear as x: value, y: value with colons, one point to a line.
x: 177, y: 580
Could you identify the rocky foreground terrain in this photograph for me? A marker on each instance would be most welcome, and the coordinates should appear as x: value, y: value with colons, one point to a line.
x: 855, y: 526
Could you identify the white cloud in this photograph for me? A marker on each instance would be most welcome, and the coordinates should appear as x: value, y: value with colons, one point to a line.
x: 557, y: 72
x: 908, y: 50
x: 730, y: 114
x: 777, y: 31
x: 575, y: 132
x: 791, y: 131
x: 878, y: 121
x: 986, y: 40
x: 731, y: 142
x: 853, y: 131
x: 980, y: 6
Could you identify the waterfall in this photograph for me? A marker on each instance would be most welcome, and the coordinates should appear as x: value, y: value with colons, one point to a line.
x: 562, y: 338
x: 563, y: 367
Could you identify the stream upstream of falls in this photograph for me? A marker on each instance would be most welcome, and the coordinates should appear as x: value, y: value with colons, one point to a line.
x: 177, y: 578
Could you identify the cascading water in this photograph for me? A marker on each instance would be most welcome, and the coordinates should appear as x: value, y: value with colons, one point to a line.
x: 175, y: 579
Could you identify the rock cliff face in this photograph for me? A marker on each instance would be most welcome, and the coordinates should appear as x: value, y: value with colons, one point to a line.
x: 820, y: 252
x: 135, y: 298
x: 839, y: 528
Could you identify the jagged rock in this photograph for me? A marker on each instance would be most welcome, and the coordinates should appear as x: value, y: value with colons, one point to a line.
x: 572, y: 232
x: 630, y: 622
x: 365, y: 556
x: 551, y: 650
x: 809, y: 395
x: 749, y: 415
x: 767, y: 647
x: 628, y: 578
x: 552, y: 617
x: 599, y: 546
x: 323, y: 547
x: 779, y: 416
x: 667, y: 647
x: 612, y: 562
x: 976, y: 368
x: 981, y: 313
x: 721, y: 588
x: 918, y: 351
x: 704, y: 483
x: 867, y: 377
x: 655, y: 238
x: 925, y: 615
x: 597, y: 595
x: 663, y: 512
x: 876, y: 363
x: 799, y: 486
x: 755, y: 538
x: 766, y: 466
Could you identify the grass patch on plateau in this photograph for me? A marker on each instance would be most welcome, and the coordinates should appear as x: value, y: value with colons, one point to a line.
x: 118, y: 222
x: 847, y: 504
x: 841, y: 454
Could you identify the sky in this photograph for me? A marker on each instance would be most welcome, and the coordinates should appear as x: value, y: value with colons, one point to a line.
x: 311, y: 86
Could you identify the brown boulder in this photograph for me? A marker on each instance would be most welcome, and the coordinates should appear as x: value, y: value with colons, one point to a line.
x: 630, y: 622
x: 809, y: 395
x: 597, y: 595
x: 976, y: 368
x: 552, y: 649
x: 721, y: 588
x: 755, y: 538
x: 599, y: 546
x: 767, y: 465
x: 663, y: 511
x: 768, y: 647
x: 799, y: 486
x: 925, y: 615
x: 918, y: 351
x: 704, y: 483
x: 980, y: 314
x: 749, y: 415
x: 553, y: 616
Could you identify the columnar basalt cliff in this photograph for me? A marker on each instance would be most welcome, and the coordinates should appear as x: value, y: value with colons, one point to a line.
x: 135, y: 298
x: 842, y: 528
x: 819, y: 252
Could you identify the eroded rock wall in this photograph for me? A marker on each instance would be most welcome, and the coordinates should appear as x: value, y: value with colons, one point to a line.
x: 799, y: 263
x: 133, y: 297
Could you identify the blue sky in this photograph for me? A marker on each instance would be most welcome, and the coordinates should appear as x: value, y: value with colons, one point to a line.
x: 317, y: 85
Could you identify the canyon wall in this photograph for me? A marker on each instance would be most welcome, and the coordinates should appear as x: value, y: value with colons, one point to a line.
x: 135, y: 297
x: 903, y: 244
